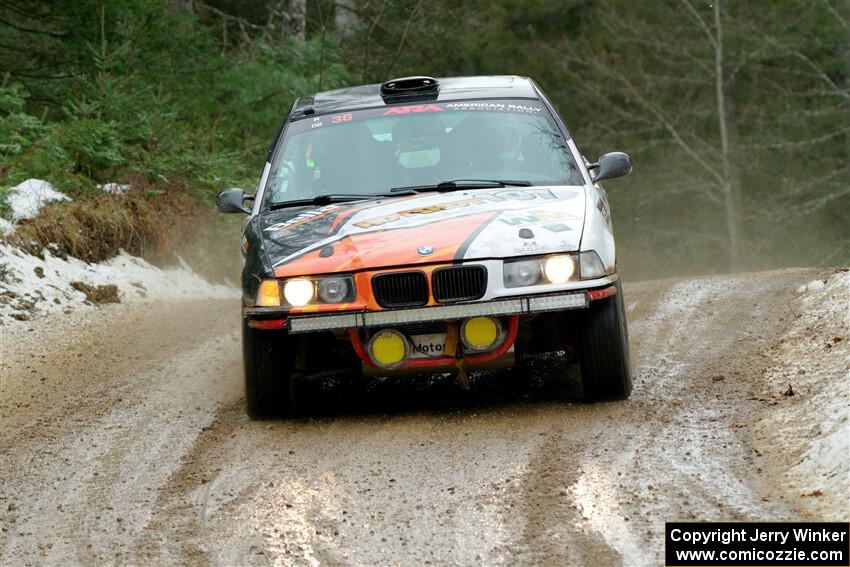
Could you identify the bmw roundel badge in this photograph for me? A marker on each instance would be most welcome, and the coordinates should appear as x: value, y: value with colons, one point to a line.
x: 425, y: 250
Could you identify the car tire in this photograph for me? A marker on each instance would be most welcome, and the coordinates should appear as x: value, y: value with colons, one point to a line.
x: 602, y: 342
x: 269, y: 388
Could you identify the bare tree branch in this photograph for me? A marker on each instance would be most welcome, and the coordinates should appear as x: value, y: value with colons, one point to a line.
x: 798, y: 143
x: 835, y: 13
x: 403, y: 38
x: 665, y: 121
x: 799, y: 55
x: 702, y: 24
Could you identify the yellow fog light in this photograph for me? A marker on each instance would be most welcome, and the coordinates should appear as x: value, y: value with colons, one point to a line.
x: 388, y: 348
x: 480, y: 333
x: 298, y: 292
x: 559, y: 269
x: 269, y: 294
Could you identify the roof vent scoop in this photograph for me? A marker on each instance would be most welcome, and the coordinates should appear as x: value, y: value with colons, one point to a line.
x: 410, y: 87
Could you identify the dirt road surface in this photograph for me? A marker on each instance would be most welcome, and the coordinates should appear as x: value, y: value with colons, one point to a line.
x: 124, y: 441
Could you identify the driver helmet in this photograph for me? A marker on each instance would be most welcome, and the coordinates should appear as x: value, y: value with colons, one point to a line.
x: 502, y: 140
x: 417, y: 141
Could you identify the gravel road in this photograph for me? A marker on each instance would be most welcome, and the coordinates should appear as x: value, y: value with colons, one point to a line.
x: 123, y: 440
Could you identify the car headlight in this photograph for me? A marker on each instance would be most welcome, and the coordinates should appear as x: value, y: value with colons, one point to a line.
x: 541, y: 270
x: 521, y: 273
x: 336, y: 290
x: 559, y: 269
x: 299, y: 292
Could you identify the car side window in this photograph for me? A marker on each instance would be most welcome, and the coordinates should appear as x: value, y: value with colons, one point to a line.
x: 287, y: 168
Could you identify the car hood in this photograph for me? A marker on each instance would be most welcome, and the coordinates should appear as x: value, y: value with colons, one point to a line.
x: 423, y: 229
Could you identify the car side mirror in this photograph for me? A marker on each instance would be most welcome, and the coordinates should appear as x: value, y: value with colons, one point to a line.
x: 611, y: 165
x: 232, y: 201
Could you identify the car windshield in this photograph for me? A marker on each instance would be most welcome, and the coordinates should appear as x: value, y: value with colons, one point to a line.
x: 372, y: 151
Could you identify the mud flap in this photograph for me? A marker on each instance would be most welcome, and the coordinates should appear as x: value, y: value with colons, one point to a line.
x: 453, y: 349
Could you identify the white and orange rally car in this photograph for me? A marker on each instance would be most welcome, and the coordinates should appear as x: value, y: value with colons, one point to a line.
x: 428, y: 225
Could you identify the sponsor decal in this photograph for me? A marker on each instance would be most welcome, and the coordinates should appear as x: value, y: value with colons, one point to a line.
x: 428, y: 345
x: 534, y: 217
x: 532, y: 248
x: 494, y: 107
x: 528, y: 108
x: 413, y: 109
x: 479, y: 199
x: 557, y: 227
x: 464, y: 225
x: 301, y: 218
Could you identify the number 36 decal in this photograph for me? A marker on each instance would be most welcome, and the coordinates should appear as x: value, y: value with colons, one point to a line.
x: 339, y: 118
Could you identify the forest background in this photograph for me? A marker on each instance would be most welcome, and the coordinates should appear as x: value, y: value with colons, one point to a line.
x: 736, y: 113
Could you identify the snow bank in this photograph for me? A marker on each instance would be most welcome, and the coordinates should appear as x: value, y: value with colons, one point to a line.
x: 27, y: 198
x: 30, y: 287
x: 804, y: 434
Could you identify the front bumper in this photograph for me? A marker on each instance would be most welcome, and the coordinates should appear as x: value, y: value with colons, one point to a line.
x: 579, y: 299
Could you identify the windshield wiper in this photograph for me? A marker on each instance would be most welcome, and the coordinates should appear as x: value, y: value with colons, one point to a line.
x: 465, y: 184
x: 329, y: 199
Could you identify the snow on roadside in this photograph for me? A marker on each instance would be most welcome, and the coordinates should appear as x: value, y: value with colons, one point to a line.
x: 30, y: 287
x: 803, y: 437
x: 27, y: 198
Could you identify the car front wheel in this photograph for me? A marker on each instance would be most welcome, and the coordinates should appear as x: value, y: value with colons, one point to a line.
x: 269, y: 389
x: 602, y: 341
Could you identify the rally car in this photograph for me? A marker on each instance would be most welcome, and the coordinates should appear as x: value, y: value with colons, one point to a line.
x: 426, y: 226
